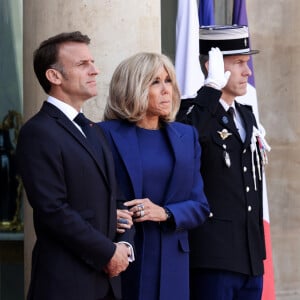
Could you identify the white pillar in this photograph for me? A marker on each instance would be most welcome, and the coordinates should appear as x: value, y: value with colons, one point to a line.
x: 274, y: 27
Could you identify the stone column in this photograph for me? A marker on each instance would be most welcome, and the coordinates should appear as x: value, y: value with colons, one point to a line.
x: 117, y: 30
x: 274, y: 30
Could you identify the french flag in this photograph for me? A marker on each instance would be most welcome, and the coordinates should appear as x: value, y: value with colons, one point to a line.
x: 239, y: 17
x: 188, y: 71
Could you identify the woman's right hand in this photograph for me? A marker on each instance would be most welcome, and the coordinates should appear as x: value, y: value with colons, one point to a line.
x: 124, y: 220
x: 146, y: 210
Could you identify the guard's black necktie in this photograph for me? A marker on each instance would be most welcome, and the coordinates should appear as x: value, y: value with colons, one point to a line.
x: 87, y: 127
x: 230, y: 112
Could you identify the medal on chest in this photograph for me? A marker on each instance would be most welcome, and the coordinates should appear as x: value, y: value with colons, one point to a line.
x: 226, y: 157
x: 224, y: 134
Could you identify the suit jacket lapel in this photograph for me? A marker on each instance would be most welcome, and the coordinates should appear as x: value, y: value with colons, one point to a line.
x: 178, y: 148
x: 109, y: 167
x: 64, y: 122
x: 125, y: 139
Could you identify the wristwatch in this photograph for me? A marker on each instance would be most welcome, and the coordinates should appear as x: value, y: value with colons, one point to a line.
x: 168, y: 214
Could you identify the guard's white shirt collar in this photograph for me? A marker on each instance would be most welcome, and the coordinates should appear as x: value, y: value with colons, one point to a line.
x: 226, y: 106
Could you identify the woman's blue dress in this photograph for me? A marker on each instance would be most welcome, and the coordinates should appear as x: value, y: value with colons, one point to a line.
x: 157, y: 164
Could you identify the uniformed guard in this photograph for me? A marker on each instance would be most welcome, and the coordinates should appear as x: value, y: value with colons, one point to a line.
x: 227, y: 252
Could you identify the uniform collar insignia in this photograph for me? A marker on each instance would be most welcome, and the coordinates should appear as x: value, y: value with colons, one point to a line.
x: 224, y: 134
x: 225, y: 120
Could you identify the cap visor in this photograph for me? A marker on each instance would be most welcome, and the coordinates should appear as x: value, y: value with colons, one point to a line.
x: 251, y: 52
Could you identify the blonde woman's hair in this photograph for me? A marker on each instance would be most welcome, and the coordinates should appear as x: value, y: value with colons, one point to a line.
x: 129, y: 87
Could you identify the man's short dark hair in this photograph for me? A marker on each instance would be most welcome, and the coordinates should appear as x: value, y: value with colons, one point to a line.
x: 203, y: 60
x: 46, y: 55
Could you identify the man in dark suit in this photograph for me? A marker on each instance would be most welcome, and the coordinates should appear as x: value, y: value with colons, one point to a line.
x: 70, y: 185
x: 227, y: 252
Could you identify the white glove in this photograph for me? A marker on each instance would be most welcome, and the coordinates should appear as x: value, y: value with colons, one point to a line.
x: 216, y: 78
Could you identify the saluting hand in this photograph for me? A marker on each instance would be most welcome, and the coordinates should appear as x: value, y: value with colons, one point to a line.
x: 217, y: 77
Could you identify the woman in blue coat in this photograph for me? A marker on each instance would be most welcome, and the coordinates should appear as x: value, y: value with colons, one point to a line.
x: 157, y: 165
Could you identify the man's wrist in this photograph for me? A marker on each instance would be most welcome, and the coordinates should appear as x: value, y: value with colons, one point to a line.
x: 131, y: 257
x: 212, y: 84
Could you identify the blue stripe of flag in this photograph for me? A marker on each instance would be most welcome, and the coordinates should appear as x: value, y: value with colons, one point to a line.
x: 206, y: 12
x: 239, y: 17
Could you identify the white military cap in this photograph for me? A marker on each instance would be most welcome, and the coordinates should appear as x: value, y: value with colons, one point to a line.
x: 230, y: 39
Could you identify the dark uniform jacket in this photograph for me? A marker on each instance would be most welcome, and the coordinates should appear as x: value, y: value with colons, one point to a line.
x: 232, y: 238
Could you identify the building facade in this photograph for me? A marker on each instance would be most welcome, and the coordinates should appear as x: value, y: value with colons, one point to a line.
x: 120, y: 28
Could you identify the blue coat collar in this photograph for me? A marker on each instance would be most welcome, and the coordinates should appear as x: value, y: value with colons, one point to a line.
x: 124, y: 137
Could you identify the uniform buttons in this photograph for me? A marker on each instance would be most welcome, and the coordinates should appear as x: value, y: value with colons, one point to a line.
x: 245, y: 169
x: 249, y: 208
x: 245, y: 150
x: 211, y: 215
x: 247, y: 189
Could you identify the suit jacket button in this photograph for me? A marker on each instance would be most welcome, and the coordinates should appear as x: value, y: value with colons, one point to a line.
x: 249, y: 208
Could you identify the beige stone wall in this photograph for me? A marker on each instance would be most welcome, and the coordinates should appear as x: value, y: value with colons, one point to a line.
x: 117, y: 28
x: 274, y: 26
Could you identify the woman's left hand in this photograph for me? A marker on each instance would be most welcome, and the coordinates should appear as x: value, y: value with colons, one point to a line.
x: 146, y: 210
x: 124, y: 220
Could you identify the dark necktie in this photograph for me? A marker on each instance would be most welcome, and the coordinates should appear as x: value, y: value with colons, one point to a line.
x: 230, y: 112
x: 87, y: 127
